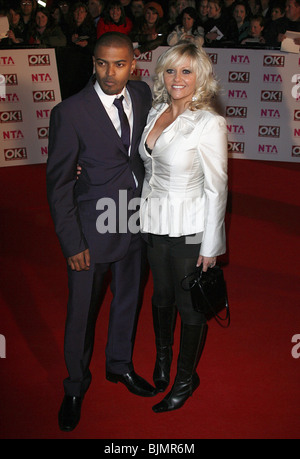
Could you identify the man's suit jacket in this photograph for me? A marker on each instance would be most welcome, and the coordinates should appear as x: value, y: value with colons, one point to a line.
x: 82, y: 133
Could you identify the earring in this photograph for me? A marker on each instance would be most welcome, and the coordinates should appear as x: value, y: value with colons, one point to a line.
x: 194, y: 98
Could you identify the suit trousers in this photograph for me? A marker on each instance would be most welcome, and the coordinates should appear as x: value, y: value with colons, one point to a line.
x: 85, y: 289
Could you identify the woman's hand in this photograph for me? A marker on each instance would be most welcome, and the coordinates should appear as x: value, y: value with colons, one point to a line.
x: 82, y: 43
x: 152, y: 36
x: 212, y: 36
x: 74, y: 37
x: 208, y: 262
x: 187, y: 37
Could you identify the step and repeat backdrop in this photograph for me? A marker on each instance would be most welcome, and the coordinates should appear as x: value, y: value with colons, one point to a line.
x: 260, y: 99
x: 29, y: 89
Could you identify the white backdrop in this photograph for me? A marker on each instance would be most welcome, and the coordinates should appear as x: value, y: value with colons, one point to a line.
x: 29, y: 89
x: 260, y: 100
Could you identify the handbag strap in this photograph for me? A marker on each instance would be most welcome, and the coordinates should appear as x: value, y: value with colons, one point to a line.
x: 217, y: 318
x: 192, y: 275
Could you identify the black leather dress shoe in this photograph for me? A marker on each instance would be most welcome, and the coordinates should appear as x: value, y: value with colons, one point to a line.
x: 69, y: 413
x: 133, y: 382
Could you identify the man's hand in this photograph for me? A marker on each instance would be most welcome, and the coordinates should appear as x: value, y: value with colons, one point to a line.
x: 80, y: 261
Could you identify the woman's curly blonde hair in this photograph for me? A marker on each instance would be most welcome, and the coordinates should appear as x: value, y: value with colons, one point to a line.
x: 207, y: 85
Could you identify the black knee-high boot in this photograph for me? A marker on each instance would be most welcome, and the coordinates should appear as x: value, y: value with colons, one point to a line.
x: 164, y: 323
x: 192, y: 341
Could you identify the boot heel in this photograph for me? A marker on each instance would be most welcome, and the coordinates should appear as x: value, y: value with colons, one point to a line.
x: 192, y: 342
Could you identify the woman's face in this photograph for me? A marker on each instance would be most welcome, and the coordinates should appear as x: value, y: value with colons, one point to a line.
x: 187, y: 22
x: 115, y: 13
x: 276, y: 14
x: 203, y: 8
x: 80, y: 15
x: 239, y: 14
x: 56, y: 15
x: 14, y: 17
x: 151, y: 17
x: 180, y: 81
x: 41, y: 19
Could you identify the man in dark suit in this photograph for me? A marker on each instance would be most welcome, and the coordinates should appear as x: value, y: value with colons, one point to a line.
x: 86, y: 129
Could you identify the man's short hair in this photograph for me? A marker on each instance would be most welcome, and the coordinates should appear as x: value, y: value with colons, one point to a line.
x: 116, y: 39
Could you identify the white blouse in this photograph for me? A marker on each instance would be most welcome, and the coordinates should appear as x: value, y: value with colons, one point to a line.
x: 185, y: 186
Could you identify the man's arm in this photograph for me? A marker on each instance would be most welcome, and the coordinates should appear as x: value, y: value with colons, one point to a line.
x: 63, y: 151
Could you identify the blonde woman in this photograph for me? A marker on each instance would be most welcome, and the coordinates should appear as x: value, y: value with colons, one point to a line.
x: 184, y: 149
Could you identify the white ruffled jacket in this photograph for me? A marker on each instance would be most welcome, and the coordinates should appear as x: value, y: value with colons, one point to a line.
x: 185, y: 186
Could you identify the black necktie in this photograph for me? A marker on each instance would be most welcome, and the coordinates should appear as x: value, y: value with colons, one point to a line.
x: 125, y: 128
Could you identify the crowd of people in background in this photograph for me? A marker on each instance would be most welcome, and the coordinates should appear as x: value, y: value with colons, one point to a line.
x: 56, y: 23
x: 76, y: 25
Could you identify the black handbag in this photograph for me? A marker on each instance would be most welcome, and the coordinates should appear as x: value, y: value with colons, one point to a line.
x: 209, y: 293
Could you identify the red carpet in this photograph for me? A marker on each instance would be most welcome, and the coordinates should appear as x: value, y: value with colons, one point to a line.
x: 250, y: 382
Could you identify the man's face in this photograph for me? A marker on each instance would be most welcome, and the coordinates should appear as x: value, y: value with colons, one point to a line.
x: 213, y: 10
x: 64, y: 7
x: 255, y: 29
x: 292, y: 10
x: 181, y: 5
x: 113, y: 66
x: 26, y: 6
x: 94, y: 8
x: 137, y: 8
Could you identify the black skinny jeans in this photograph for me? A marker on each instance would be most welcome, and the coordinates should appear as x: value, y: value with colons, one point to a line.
x: 171, y: 259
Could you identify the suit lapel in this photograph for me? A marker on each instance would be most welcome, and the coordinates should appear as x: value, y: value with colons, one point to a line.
x: 101, y: 117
